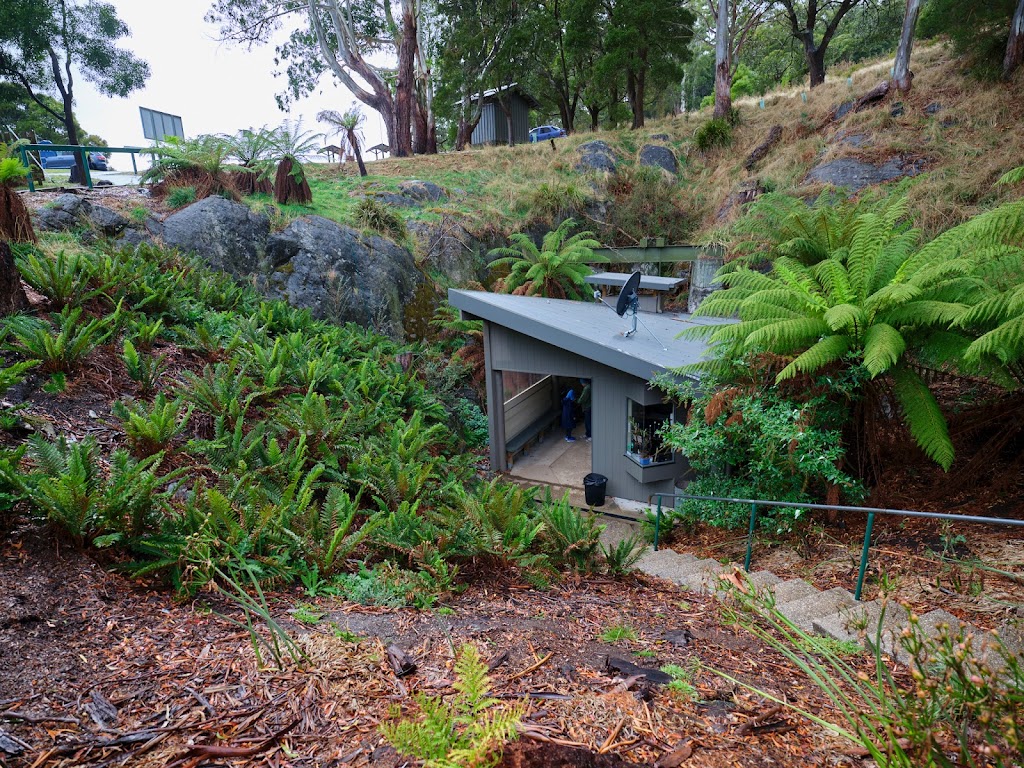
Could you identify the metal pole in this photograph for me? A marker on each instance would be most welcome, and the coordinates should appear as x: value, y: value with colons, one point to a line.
x: 864, y: 556
x: 657, y: 524
x: 750, y: 537
x: 135, y: 170
x: 85, y: 166
x: 25, y: 162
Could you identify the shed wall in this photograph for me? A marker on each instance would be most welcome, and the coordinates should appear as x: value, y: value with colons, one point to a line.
x: 512, y: 351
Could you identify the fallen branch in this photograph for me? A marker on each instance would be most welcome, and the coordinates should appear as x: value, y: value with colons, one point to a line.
x: 536, y: 666
x: 219, y: 750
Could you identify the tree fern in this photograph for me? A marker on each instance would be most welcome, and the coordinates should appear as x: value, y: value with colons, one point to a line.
x: 557, y: 269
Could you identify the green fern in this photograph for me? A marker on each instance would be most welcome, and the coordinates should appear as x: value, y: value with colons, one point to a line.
x: 64, y: 279
x: 151, y: 428
x: 144, y: 369
x: 60, y: 347
x: 469, y: 730
x: 557, y: 269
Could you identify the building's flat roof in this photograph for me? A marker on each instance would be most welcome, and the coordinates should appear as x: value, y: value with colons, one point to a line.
x: 647, y: 282
x: 592, y: 330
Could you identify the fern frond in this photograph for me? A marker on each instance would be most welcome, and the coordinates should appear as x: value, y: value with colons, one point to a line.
x: 883, y: 347
x: 827, y: 351
x: 923, y: 416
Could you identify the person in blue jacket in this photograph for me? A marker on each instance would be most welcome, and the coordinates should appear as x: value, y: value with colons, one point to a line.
x: 568, y: 416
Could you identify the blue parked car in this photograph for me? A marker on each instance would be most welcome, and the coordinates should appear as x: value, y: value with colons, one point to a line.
x: 52, y: 159
x: 545, y: 132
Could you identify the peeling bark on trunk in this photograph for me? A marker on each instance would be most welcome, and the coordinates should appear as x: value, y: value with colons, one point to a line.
x: 404, y: 87
x: 1015, y: 45
x: 723, y: 66
x: 902, y: 76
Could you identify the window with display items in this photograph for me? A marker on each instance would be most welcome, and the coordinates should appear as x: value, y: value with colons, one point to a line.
x: 644, y: 443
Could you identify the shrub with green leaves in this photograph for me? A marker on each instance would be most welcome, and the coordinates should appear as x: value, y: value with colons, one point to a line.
x: 179, y: 197
x: 571, y: 538
x: 143, y: 369
x: 468, y: 730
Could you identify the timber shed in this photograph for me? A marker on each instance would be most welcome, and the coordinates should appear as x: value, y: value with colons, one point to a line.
x: 536, y: 348
x: 495, y: 124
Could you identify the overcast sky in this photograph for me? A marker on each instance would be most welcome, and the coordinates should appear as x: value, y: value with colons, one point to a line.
x: 215, y: 87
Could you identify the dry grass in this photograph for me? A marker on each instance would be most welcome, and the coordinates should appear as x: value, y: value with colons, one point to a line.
x: 977, y: 135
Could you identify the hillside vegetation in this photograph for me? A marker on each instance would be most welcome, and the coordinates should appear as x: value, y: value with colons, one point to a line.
x: 964, y: 133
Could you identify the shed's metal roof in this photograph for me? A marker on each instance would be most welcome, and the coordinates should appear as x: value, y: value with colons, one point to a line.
x: 591, y: 330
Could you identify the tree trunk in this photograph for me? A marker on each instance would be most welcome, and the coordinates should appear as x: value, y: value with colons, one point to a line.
x: 291, y: 186
x: 419, y: 129
x: 12, y: 295
x: 902, y: 76
x: 405, y: 84
x: 595, y: 117
x: 15, y: 220
x: 723, y: 66
x: 815, y: 63
x: 353, y: 141
x: 634, y: 103
x: 1015, y: 45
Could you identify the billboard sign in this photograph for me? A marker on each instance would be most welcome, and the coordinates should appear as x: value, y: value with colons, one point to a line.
x: 157, y: 126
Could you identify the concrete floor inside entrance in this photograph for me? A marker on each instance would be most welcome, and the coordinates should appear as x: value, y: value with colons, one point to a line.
x: 562, y: 466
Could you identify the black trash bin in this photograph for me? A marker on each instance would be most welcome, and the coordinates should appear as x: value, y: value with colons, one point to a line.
x: 594, y: 487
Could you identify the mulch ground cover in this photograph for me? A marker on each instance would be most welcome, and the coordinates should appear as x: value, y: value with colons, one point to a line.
x: 99, y: 670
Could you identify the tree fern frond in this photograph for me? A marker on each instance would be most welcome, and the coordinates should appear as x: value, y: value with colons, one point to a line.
x: 869, y: 233
x: 825, y: 352
x: 787, y: 335
x: 926, y: 313
x: 1005, y: 342
x: 923, y: 416
x: 1013, y: 176
x: 883, y: 347
x: 846, y: 317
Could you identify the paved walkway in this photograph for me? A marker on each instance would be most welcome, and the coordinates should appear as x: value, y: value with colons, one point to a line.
x: 831, y: 612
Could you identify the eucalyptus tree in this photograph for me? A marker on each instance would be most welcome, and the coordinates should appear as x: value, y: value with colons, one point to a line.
x: 1015, y: 43
x: 809, y: 18
x: 46, y: 44
x: 902, y: 76
x: 734, y: 21
x: 345, y: 38
x: 473, y: 39
x: 649, y: 41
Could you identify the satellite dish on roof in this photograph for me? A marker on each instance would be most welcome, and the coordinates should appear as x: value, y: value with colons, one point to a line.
x: 628, y: 303
x: 629, y: 295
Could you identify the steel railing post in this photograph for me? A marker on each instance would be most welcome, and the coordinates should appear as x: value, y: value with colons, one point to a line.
x: 864, y: 556
x: 25, y: 162
x: 750, y: 537
x: 657, y: 524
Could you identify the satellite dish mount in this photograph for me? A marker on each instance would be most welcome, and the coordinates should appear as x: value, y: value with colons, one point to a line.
x: 628, y: 305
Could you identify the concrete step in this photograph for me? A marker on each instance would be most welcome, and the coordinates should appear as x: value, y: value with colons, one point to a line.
x: 703, y: 576
x: 861, y: 622
x: 793, y: 589
x: 803, y: 611
x: 761, y: 580
x: 666, y: 564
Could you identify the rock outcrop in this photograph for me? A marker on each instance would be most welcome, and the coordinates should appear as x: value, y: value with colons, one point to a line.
x: 226, y: 235
x: 596, y: 156
x: 340, y: 274
x: 657, y: 156
x: 857, y: 174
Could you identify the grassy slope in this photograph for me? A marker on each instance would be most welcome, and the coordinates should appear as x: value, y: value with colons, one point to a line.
x: 976, y: 136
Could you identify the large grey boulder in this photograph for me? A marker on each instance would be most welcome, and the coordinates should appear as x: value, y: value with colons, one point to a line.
x: 342, y: 275
x: 656, y: 156
x: 857, y: 174
x: 108, y: 222
x: 66, y: 211
x: 422, y: 191
x: 225, y: 234
x: 448, y: 250
x: 596, y: 156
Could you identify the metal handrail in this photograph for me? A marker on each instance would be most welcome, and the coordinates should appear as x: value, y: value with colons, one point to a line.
x: 79, y: 150
x: 871, y: 512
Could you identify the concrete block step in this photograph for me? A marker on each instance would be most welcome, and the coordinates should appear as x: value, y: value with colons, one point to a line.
x: 793, y: 589
x: 932, y: 624
x: 665, y: 563
x: 803, y: 611
x: 701, y: 576
x: 761, y: 580
x: 866, y: 623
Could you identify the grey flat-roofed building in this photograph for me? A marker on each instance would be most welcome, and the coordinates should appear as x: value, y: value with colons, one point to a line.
x: 585, y: 340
